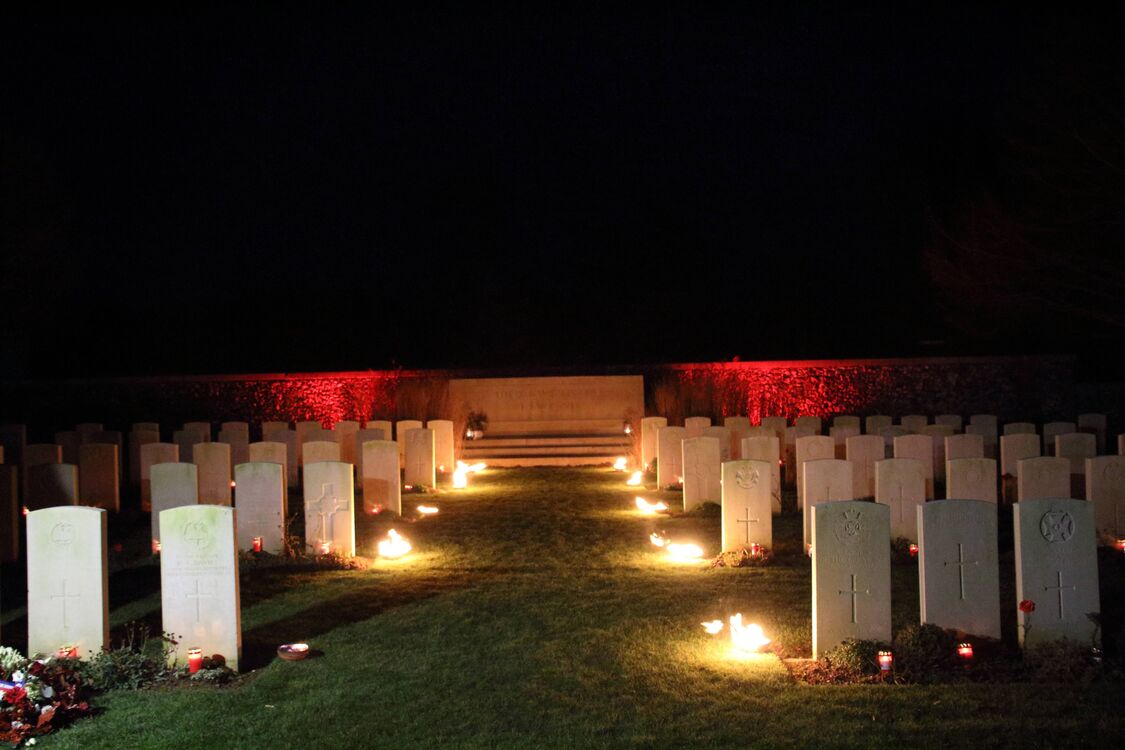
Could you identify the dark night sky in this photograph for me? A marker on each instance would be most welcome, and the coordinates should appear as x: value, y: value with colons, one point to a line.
x: 270, y: 191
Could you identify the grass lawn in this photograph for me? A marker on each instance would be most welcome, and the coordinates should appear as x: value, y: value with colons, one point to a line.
x: 535, y: 613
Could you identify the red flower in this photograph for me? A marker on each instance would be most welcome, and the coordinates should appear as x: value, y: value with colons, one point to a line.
x: 1027, y: 606
x: 14, y: 695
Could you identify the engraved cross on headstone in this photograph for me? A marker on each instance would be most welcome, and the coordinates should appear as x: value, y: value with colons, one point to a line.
x: 64, y: 596
x: 1060, y: 589
x: 961, y: 562
x: 854, y: 592
x: 747, y: 520
x: 196, y: 594
x: 327, y: 516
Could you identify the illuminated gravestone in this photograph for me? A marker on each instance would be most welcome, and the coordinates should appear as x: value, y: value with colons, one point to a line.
x: 363, y: 436
x: 315, y: 451
x: 9, y: 513
x: 1057, y: 568
x: 69, y: 440
x: 851, y: 574
x: 1105, y: 488
x: 765, y: 448
x: 778, y: 427
x: 345, y: 436
x: 813, y: 425
x: 1016, y: 447
x: 958, y: 568
x: 914, y: 423
x: 380, y: 478
x: 952, y: 420
x: 1096, y: 425
x: 305, y: 431
x: 382, y: 424
x: 747, y: 501
x: 789, y: 456
x: 971, y: 479
x: 840, y: 435
x: 810, y: 448
x: 236, y: 427
x: 273, y: 426
x: 49, y: 485
x: 988, y: 436
x: 920, y: 448
x: 1051, y: 430
x: 97, y: 476
x: 420, y: 458
x: 649, y: 429
x: 739, y: 428
x: 152, y: 454
x: 1042, y: 477
x: 199, y: 431
x: 862, y: 451
x: 722, y: 434
x: 889, y: 435
x: 876, y: 423
x: 702, y: 471
x: 259, y: 495
x: 213, y: 460
x: 401, y: 428
x: 900, y: 484
x: 693, y: 426
x: 67, y: 581
x: 964, y: 446
x: 1020, y: 428
x: 669, y: 456
x: 826, y: 480
x: 173, y: 486
x: 238, y: 440
x: 329, y: 508
x: 443, y: 444
x: 137, y: 439
x: 199, y: 582
x: 288, y: 438
x: 848, y: 422
x: 1076, y: 447
x: 938, y: 433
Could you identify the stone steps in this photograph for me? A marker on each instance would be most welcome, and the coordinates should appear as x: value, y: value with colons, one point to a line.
x: 552, y: 449
x: 511, y: 461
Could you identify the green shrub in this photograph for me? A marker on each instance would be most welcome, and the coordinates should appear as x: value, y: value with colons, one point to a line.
x: 926, y: 653
x: 856, y: 657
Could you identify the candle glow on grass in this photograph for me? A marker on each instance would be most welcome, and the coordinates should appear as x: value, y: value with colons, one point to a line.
x: 635, y: 479
x: 678, y: 552
x: 394, y: 546
x: 649, y: 509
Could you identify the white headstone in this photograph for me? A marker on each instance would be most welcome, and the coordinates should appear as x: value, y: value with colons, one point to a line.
x: 152, y: 454
x: 987, y: 431
x: 272, y: 452
x: 958, y: 568
x: 381, y: 481
x: 649, y: 428
x: 213, y: 460
x: 443, y: 445
x: 914, y: 423
x: 840, y: 435
x: 964, y: 446
x: 97, y: 476
x: 173, y: 486
x: 138, y: 438
x: 1020, y: 428
x: 810, y: 448
x: 345, y: 436
x: 315, y: 451
x: 971, y: 479
x: 739, y: 428
x: 693, y: 426
x: 236, y: 427
x: 1057, y: 568
x: 810, y: 423
x: 362, y: 436
x: 1076, y: 447
x: 199, y: 582
x: 876, y: 423
x: 669, y: 456
x: 847, y: 421
x: 185, y: 443
x: 239, y: 442
x: 900, y: 484
x: 330, y: 507
x: 1042, y: 477
x: 420, y: 468
x: 851, y: 574
x: 826, y: 480
x: 1050, y: 430
x: 862, y: 452
x: 1105, y: 488
x: 951, y: 420
x: 201, y: 431
x: 382, y: 424
x: 67, y: 581
x: 1016, y: 447
x: 722, y: 434
x: 765, y: 448
x: 1096, y: 425
x: 38, y: 454
x: 939, y: 432
x: 288, y: 438
x: 259, y: 495
x: 50, y: 485
x: 702, y: 472
x: 747, y: 501
x: 920, y: 447
x: 268, y: 427
x: 401, y: 428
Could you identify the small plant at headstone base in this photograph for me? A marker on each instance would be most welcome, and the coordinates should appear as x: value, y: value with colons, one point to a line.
x: 1061, y: 661
x: 926, y: 653
x: 130, y: 665
x: 754, y: 556
x: 1027, y: 606
x: 214, y: 671
x: 38, y: 697
x: 852, y: 662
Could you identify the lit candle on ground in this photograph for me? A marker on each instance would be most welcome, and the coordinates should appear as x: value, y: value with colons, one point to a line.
x: 325, y: 548
x: 621, y: 464
x: 427, y: 510
x: 257, y: 544
x: 395, y: 545
x: 965, y: 651
x: 913, y: 550
x: 635, y: 479
x: 194, y: 659
x: 156, y: 546
x: 886, y: 660
x: 647, y: 508
x: 67, y: 652
x: 755, y: 550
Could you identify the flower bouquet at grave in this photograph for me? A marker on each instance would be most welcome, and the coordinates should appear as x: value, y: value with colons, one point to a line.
x: 37, y: 696
x: 752, y: 556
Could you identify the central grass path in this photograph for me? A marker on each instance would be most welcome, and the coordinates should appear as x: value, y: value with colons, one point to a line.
x: 535, y: 613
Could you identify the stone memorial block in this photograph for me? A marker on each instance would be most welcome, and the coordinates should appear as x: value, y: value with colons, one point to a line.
x: 1105, y: 488
x: 10, y: 510
x: 363, y: 436
x: 320, y: 435
x: 849, y: 422
x: 274, y: 426
x: 273, y: 452
x: 239, y: 442
x: 722, y: 434
x: 739, y: 428
x: 889, y: 435
x: 152, y: 454
x: 213, y: 460
x: 1019, y: 428
x: 38, y: 454
x: 1016, y: 447
x: 813, y: 425
x: 702, y: 471
x: 766, y: 448
x: 199, y: 582
x: 851, y: 574
x: 401, y: 428
x: 173, y: 486
x: 382, y: 424
x: 1051, y: 430
x: 876, y: 423
x: 862, y: 451
x: 810, y: 448
x: 964, y: 446
x: 288, y: 438
x: 958, y: 566
x: 693, y: 426
x: 236, y: 427
x: 315, y: 451
x: 381, y: 481
x: 649, y: 428
x: 1042, y: 477
x: 1057, y: 568
x: 259, y: 494
x: 443, y: 445
x: 330, y: 507
x: 49, y: 485
x: 1076, y: 447
x: 777, y: 426
x: 98, y: 484
x: 110, y: 437
x: 826, y: 480
x: 939, y: 432
x: 669, y: 456
x: 950, y: 420
x: 200, y: 431
x: 69, y: 440
x: 919, y: 447
x: 420, y: 466
x: 971, y: 479
x: 914, y: 423
x: 900, y: 484
x: 305, y: 429
x: 988, y: 435
x: 791, y: 475
x: 67, y: 581
x: 345, y: 435
x: 840, y: 437
x: 1095, y: 424
x: 137, y: 438
x: 747, y: 503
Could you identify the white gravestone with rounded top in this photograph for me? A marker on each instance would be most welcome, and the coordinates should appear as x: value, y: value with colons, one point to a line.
x: 288, y: 438
x: 747, y: 501
x: 1041, y: 477
x: 380, y: 480
x: 766, y: 448
x: 862, y: 451
x: 669, y: 456
x: 722, y: 434
x: 900, y: 484
x: 739, y: 428
x: 401, y: 428
x: 1105, y: 488
x: 693, y: 426
x: 213, y: 460
x: 260, y: 498
x: 152, y: 454
x: 330, y: 507
x: 921, y: 448
x: 50, y: 485
x: 702, y: 472
x: 826, y: 480
x: 173, y: 486
x: 971, y: 479
x: 315, y: 451
x: 958, y: 568
x: 810, y: 448
x: 444, y: 458
x: 649, y: 428
x: 98, y: 477
x: 1016, y: 447
x: 345, y: 436
x: 1053, y: 429
x: 420, y: 464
